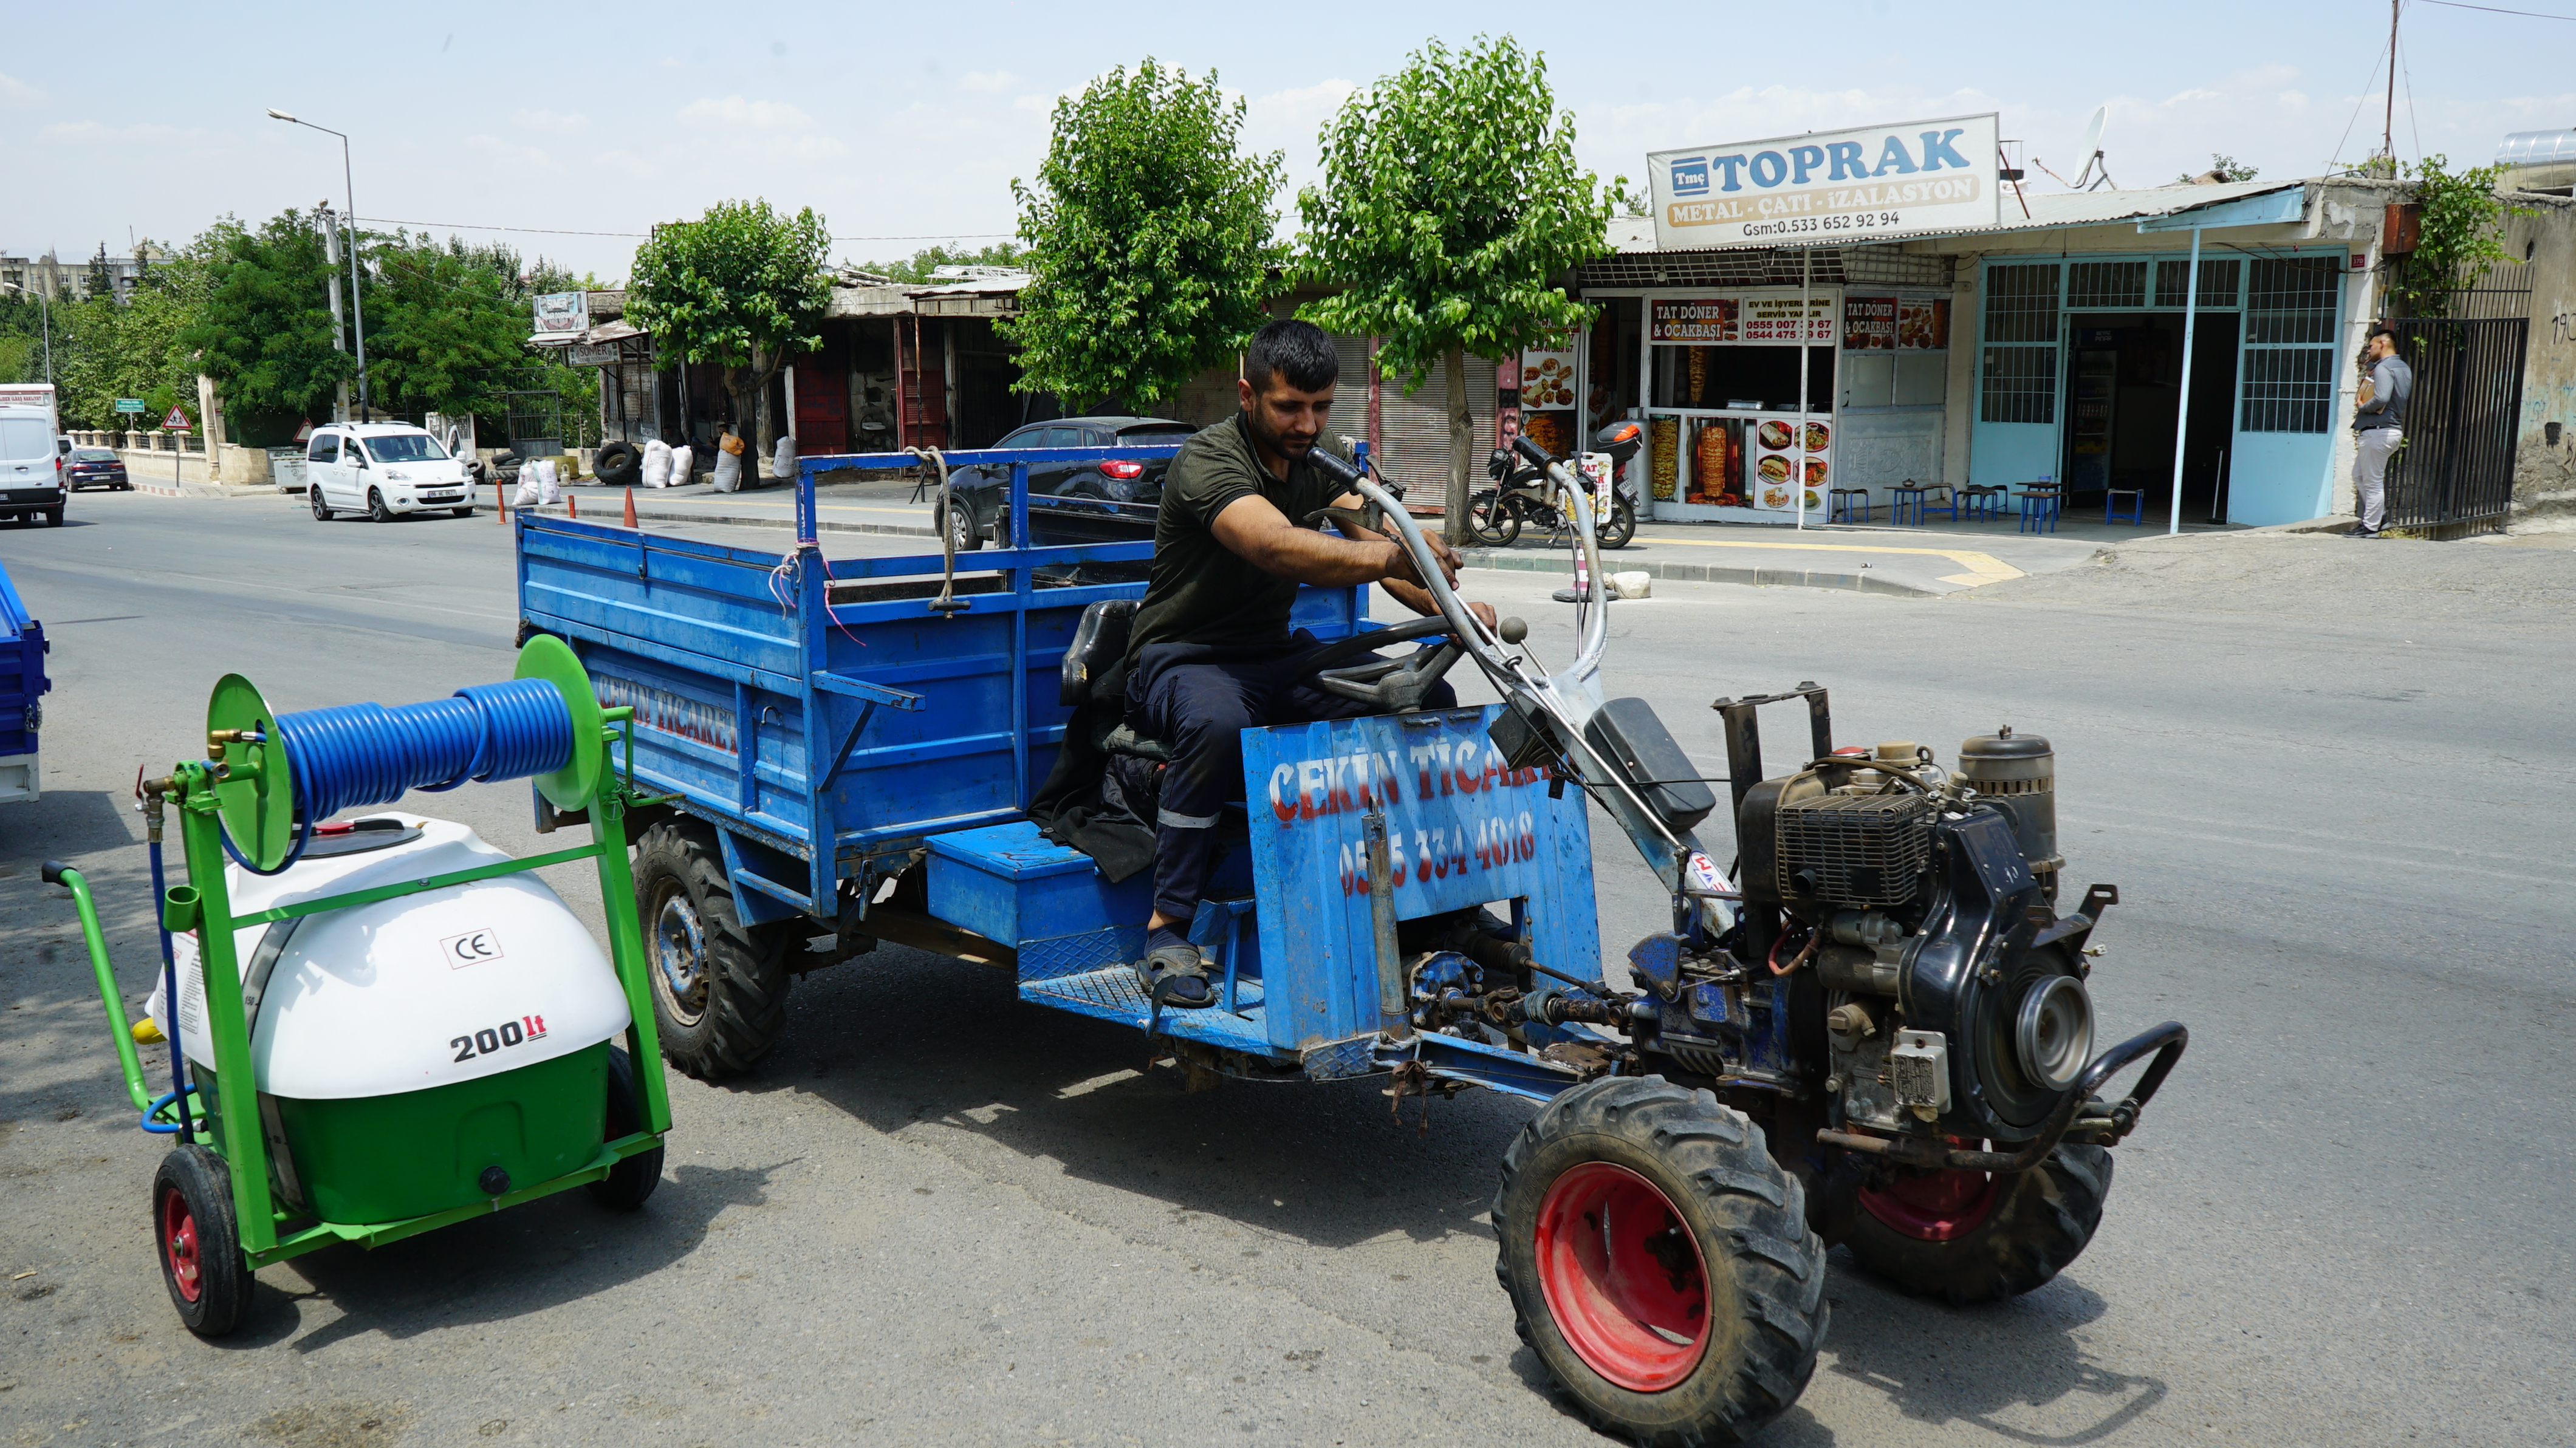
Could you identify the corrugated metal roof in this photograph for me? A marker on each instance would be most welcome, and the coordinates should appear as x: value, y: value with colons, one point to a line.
x: 2048, y: 211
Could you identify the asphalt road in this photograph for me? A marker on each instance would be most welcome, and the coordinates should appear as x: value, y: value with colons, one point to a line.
x: 2331, y: 779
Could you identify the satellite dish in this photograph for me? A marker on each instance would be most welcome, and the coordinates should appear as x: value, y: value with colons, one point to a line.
x: 2093, y: 170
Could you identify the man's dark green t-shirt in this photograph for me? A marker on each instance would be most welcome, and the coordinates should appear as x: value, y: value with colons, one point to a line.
x: 1200, y: 591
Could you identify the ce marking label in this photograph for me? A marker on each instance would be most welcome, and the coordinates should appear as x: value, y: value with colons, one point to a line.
x: 472, y: 948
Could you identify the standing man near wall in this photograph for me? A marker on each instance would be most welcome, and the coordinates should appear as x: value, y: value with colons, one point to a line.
x: 2378, y: 422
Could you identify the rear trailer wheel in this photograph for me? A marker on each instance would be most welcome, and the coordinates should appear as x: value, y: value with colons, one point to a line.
x: 719, y: 987
x: 194, y: 1235
x: 1659, y: 1262
x: 632, y: 1180
x: 1967, y: 1237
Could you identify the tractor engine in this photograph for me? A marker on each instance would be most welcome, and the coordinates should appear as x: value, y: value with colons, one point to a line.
x: 1953, y: 995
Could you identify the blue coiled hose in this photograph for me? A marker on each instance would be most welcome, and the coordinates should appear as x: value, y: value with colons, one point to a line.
x: 352, y: 755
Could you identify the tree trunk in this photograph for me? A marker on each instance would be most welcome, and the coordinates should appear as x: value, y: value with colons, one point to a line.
x: 1462, y: 449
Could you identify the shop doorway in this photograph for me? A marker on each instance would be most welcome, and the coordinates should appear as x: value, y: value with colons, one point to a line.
x: 2124, y: 387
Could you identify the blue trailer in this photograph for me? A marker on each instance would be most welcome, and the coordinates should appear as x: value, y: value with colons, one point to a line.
x: 847, y: 753
x: 23, y: 686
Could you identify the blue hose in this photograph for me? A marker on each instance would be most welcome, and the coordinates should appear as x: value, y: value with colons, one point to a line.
x: 351, y: 755
x: 169, y: 1001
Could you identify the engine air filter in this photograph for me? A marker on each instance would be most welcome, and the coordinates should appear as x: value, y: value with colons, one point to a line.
x: 1859, y: 850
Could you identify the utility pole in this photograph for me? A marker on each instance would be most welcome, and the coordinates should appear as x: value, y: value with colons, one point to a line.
x: 2388, y: 118
x: 331, y: 274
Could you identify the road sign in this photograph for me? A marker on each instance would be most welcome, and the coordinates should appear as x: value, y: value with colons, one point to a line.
x: 177, y: 421
x: 131, y: 404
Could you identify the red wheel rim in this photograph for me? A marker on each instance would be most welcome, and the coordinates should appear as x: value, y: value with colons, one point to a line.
x: 1623, y: 1276
x: 1935, y: 1206
x: 179, y: 1244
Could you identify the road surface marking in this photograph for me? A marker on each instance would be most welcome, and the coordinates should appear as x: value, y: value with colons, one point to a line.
x: 1981, y: 567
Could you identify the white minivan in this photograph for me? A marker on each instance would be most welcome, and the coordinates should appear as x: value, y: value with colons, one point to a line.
x: 31, y: 469
x: 383, y: 469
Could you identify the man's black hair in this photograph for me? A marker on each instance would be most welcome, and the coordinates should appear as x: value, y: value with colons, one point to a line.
x: 2382, y: 329
x: 1297, y: 350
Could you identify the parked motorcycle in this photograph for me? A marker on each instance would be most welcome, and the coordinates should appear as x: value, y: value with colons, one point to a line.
x: 1522, y: 495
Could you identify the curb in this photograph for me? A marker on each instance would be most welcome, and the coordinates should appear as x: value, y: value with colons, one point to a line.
x: 1849, y: 582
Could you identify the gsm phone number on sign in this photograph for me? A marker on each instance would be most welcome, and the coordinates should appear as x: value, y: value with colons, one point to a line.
x: 1857, y: 221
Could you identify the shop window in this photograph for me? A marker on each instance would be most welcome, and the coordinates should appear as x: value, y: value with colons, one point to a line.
x: 2095, y: 284
x: 2020, y: 384
x: 2288, y: 389
x: 2217, y: 283
x: 2021, y: 303
x: 2292, y: 301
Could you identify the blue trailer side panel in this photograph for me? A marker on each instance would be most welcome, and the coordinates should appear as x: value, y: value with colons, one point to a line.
x: 22, y: 684
x: 1463, y: 830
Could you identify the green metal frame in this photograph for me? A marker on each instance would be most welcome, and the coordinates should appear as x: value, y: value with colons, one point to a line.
x: 206, y: 790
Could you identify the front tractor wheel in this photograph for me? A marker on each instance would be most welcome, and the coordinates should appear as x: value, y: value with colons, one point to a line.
x: 1968, y: 1237
x: 1660, y: 1263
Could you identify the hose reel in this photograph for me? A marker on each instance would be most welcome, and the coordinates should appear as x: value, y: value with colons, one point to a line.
x: 278, y: 775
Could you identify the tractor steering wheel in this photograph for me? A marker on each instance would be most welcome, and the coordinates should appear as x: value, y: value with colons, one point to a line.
x: 1394, y: 686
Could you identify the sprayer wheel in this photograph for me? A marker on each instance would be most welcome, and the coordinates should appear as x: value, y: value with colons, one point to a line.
x: 194, y: 1235
x: 719, y: 987
x: 632, y: 1180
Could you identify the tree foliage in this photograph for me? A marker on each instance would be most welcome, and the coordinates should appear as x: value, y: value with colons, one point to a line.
x: 1451, y: 207
x: 743, y: 288
x: 442, y: 323
x: 2224, y: 167
x: 2459, y: 234
x: 262, y: 327
x: 1151, y: 237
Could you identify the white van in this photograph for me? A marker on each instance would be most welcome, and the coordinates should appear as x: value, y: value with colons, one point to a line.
x: 383, y: 469
x: 31, y: 468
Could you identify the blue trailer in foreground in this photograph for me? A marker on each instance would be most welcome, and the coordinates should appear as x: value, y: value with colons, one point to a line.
x: 23, y: 686
x: 1881, y: 1037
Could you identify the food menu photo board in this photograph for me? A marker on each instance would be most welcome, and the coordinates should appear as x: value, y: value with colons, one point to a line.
x: 1547, y: 379
x: 1923, y: 326
x: 1785, y: 456
x: 1895, y: 324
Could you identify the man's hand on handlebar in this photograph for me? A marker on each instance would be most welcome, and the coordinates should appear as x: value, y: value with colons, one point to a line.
x: 1413, y: 593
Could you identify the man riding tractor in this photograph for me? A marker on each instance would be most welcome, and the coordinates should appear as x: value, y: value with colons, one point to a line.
x: 1211, y: 654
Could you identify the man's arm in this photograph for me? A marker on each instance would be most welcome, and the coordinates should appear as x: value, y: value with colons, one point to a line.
x: 1253, y: 529
x: 1412, y: 595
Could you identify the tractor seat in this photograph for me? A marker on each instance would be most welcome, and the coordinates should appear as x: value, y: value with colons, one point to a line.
x: 1096, y: 661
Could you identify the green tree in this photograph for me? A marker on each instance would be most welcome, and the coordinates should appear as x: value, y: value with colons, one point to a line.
x: 916, y: 269
x: 1450, y: 206
x: 743, y: 288
x: 263, y: 328
x: 442, y: 321
x: 1150, y: 236
x: 2459, y: 234
x: 2224, y: 167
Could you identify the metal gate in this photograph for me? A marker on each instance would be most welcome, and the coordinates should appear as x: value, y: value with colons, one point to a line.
x: 2456, y: 467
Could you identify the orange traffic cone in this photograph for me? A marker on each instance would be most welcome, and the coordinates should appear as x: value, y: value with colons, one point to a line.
x: 630, y: 510
x: 501, y: 505
x: 572, y: 506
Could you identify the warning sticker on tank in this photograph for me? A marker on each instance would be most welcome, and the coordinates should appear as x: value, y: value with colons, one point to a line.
x: 474, y: 947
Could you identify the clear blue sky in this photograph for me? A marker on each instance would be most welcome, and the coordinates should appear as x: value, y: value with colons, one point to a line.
x: 898, y: 122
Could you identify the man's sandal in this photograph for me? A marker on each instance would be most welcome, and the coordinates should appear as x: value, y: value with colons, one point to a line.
x: 1174, y: 975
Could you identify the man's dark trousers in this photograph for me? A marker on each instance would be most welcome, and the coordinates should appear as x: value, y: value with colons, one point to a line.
x: 1198, y: 700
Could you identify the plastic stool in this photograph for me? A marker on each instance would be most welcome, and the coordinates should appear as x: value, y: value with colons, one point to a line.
x: 2039, y: 510
x: 1840, y: 502
x: 1983, y: 500
x: 1904, y: 499
x: 1948, y: 507
x: 2137, y: 506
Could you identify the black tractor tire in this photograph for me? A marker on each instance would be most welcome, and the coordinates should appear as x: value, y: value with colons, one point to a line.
x: 633, y: 1179
x: 321, y: 511
x: 959, y: 521
x: 2041, y: 1220
x: 1754, y: 1282
x: 198, y: 1242
x: 728, y: 1003
x: 618, y: 464
x: 377, y: 512
x: 1492, y: 520
x: 1620, y: 526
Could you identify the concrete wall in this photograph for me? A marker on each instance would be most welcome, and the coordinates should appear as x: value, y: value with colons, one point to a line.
x: 2544, y: 477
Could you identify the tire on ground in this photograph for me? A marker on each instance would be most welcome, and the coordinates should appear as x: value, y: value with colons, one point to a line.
x: 198, y: 1242
x: 633, y: 1179
x: 736, y: 1006
x: 618, y: 464
x: 1764, y: 1270
x: 2041, y: 1221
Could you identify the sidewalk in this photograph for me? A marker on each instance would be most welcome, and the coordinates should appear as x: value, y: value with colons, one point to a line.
x: 1909, y: 562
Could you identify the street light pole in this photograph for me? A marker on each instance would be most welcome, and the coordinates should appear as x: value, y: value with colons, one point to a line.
x: 357, y: 304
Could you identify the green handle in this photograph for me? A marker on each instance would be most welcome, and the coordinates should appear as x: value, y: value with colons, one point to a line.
x: 71, y: 880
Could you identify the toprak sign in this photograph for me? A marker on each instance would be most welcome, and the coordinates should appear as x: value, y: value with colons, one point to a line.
x: 1828, y: 186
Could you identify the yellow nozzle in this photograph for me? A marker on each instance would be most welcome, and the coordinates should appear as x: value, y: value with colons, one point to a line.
x: 147, y: 1032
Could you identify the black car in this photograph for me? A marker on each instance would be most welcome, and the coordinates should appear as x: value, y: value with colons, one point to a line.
x: 1071, y: 502
x: 92, y: 467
